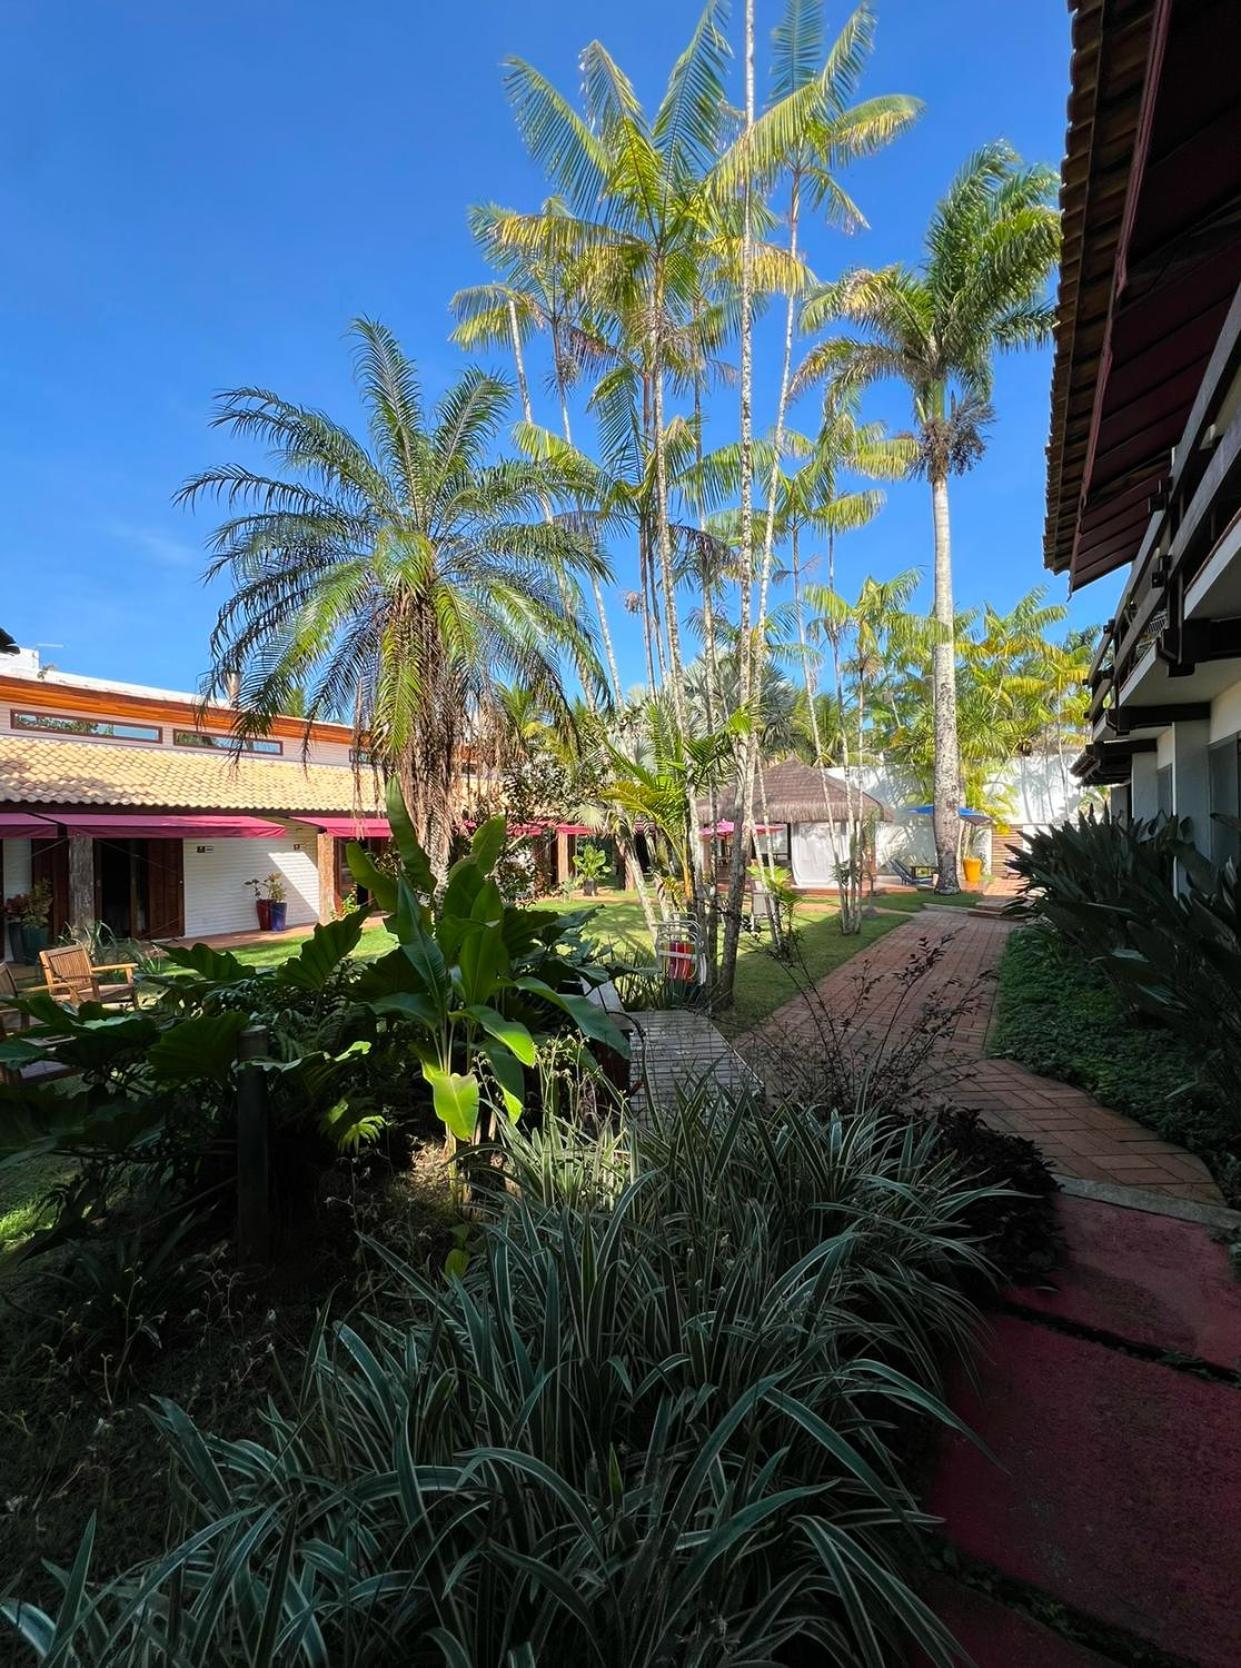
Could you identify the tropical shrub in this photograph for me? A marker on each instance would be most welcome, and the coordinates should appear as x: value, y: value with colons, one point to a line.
x: 471, y: 991
x: 1087, y: 877
x: 661, y: 1420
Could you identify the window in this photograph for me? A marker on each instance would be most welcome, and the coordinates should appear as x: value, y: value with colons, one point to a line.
x: 775, y: 846
x: 1225, y: 767
x: 109, y: 727
x: 226, y: 743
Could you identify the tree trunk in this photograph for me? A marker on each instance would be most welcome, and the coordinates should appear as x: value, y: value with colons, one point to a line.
x: 745, y: 774
x: 947, y: 790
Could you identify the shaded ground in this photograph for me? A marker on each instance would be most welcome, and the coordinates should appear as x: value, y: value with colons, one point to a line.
x: 1115, y: 1507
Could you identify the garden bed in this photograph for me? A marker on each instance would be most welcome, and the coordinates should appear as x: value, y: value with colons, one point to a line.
x: 1057, y: 1017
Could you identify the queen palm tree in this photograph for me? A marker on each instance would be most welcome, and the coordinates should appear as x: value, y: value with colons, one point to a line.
x: 810, y: 130
x: 396, y: 581
x: 979, y: 289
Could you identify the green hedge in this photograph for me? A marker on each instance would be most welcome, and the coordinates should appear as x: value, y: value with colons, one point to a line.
x: 1057, y: 1017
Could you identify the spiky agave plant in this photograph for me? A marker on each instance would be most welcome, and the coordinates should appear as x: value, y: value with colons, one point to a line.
x: 640, y: 1431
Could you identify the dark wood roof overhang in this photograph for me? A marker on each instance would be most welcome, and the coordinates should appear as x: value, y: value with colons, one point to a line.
x: 1151, y: 213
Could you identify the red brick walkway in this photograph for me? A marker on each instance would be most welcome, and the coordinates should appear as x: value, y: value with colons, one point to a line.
x: 1077, y: 1135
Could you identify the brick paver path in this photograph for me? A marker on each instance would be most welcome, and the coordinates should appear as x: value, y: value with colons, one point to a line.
x: 1078, y: 1137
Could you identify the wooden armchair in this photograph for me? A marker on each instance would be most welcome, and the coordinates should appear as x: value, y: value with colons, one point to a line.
x: 72, y: 977
x: 12, y: 1022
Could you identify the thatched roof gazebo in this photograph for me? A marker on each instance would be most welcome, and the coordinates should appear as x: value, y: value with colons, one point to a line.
x: 795, y: 793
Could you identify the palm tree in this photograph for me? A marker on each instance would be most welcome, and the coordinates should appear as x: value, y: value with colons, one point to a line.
x: 535, y: 294
x: 990, y: 247
x: 810, y: 130
x: 396, y: 581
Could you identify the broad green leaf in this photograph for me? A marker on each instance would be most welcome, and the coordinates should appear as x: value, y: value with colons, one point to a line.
x: 591, y: 1020
x: 482, y: 958
x: 511, y: 1032
x: 488, y: 843
x: 328, y: 945
x: 221, y: 967
x: 426, y: 958
x: 368, y: 874
x: 408, y: 1004
x: 414, y: 859
x: 455, y: 1097
x: 202, y: 1047
x: 465, y: 881
x: 510, y: 1077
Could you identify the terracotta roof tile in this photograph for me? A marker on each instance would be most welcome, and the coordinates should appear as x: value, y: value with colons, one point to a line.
x: 68, y: 773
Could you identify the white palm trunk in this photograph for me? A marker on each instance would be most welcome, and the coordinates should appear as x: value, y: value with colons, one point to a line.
x: 947, y: 792
x: 745, y: 774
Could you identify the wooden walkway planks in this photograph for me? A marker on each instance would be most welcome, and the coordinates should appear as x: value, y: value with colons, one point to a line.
x: 675, y: 1051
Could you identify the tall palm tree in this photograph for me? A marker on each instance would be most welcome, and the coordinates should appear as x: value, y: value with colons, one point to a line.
x: 534, y: 294
x: 979, y: 289
x: 398, y: 580
x: 810, y: 130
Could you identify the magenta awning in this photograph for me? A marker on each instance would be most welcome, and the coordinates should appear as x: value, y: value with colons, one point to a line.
x: 23, y: 825
x: 149, y: 825
x: 352, y: 828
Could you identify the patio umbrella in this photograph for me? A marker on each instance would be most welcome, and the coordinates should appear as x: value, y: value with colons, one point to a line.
x: 965, y: 816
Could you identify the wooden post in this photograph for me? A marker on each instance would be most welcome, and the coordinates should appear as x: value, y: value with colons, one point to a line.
x: 564, y: 873
x: 253, y: 1213
x: 81, y: 880
x: 325, y: 859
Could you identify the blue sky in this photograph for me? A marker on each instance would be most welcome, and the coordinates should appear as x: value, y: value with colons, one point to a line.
x: 196, y: 197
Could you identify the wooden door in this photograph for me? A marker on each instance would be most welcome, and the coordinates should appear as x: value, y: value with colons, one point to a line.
x: 49, y: 861
x: 165, y: 870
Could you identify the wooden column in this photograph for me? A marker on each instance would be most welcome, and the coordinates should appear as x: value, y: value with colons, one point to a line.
x: 563, y: 870
x: 81, y: 880
x: 325, y: 857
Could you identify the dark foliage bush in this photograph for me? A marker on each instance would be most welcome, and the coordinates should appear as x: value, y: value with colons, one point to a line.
x: 1017, y: 1221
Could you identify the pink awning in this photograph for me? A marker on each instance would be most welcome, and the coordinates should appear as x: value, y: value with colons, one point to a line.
x: 352, y: 828
x: 23, y: 825
x: 574, y: 828
x: 146, y: 825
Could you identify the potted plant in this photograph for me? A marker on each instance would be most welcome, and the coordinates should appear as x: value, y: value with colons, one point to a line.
x: 14, y: 913
x: 262, y: 905
x: 277, y: 904
x: 591, y: 864
x: 37, y: 908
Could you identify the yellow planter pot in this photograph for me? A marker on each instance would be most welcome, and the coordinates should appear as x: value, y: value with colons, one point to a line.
x: 973, y: 871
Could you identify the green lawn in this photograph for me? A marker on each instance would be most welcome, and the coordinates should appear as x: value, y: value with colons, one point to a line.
x: 763, y: 983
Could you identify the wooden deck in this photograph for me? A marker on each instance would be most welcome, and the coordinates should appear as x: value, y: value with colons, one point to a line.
x: 675, y: 1052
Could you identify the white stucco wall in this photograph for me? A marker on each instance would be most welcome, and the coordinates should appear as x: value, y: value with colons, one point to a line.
x: 217, y: 898
x: 16, y: 858
x: 1226, y: 714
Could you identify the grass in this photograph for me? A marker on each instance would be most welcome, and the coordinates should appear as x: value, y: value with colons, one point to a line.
x: 1059, y: 1018
x: 763, y: 983
x: 22, y: 1189
x: 912, y: 902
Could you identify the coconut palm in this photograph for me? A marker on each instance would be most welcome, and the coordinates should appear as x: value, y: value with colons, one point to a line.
x: 990, y: 247
x: 396, y: 581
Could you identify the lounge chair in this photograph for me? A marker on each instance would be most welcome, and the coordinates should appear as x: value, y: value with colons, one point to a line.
x: 72, y: 977
x: 12, y: 1022
x: 907, y: 877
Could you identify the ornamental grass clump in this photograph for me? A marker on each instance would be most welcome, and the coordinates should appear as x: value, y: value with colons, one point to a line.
x: 661, y: 1419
